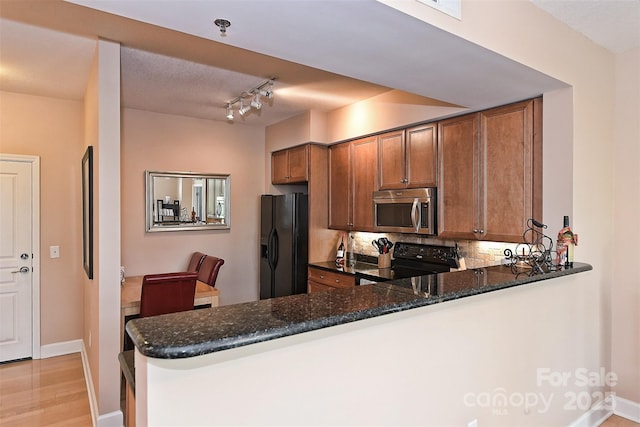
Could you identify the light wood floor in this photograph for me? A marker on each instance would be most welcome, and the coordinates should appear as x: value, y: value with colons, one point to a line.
x: 616, y: 421
x: 46, y: 392
x: 53, y: 392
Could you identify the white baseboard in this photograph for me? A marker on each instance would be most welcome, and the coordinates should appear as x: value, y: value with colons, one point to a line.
x: 112, y: 419
x: 627, y: 409
x: 93, y: 402
x: 594, y: 416
x: 61, y: 348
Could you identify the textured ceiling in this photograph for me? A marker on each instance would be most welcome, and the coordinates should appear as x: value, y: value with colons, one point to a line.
x: 613, y: 24
x: 344, y: 37
x: 46, y: 48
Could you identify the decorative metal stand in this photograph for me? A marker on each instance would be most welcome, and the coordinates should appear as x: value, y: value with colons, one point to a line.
x: 533, y: 255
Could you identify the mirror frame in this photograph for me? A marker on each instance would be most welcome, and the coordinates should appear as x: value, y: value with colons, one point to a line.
x: 150, y: 201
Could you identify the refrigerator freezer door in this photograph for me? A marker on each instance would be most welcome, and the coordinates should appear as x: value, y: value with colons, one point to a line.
x: 266, y: 231
x: 283, y: 215
x: 283, y: 245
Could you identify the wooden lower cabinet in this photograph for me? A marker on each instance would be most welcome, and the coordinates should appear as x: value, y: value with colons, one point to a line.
x: 323, y: 280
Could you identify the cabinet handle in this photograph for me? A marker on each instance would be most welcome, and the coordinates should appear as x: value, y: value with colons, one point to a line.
x: 475, y: 230
x: 481, y: 231
x: 322, y: 276
x: 337, y: 280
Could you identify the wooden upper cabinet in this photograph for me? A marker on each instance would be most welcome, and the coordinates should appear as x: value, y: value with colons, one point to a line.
x: 508, y: 170
x: 290, y: 166
x: 280, y: 167
x: 352, y: 181
x: 458, y: 201
x: 407, y: 158
x: 365, y: 180
x: 391, y: 161
x: 421, y: 156
x: 339, y: 183
x: 490, y: 173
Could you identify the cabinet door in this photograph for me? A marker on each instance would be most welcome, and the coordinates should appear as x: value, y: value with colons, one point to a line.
x: 365, y: 179
x: 391, y: 151
x: 458, y: 177
x: 339, y: 182
x: 279, y: 167
x: 507, y: 171
x: 421, y: 156
x: 331, y: 278
x: 298, y: 164
x: 317, y: 287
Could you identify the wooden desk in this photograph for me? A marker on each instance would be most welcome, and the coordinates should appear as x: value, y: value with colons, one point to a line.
x: 131, y: 291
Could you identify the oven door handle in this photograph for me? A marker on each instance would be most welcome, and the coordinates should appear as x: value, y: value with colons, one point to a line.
x: 415, y: 214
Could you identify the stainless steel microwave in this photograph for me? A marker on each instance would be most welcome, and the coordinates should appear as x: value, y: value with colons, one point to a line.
x: 405, y: 211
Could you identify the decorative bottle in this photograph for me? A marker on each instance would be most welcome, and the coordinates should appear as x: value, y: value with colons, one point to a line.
x: 567, y: 240
x: 340, y: 253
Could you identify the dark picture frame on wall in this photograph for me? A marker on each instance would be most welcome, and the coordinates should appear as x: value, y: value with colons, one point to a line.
x: 87, y: 211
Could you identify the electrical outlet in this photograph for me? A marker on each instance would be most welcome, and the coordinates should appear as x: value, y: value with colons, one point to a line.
x: 473, y: 423
x: 54, y: 251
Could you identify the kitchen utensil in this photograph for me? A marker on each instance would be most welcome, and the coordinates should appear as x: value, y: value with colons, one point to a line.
x: 377, y: 246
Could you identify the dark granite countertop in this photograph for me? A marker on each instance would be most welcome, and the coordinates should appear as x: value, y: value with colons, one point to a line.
x: 199, y: 332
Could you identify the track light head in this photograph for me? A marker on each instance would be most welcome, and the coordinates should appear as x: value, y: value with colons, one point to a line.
x: 243, y: 108
x: 255, y: 102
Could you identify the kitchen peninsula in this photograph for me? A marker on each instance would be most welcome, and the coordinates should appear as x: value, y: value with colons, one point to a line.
x: 327, y: 342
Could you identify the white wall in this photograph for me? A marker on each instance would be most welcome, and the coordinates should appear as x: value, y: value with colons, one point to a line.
x: 162, y: 142
x: 625, y: 290
x: 526, y: 34
x: 431, y: 366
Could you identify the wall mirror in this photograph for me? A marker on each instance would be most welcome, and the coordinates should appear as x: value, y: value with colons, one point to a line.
x: 179, y: 201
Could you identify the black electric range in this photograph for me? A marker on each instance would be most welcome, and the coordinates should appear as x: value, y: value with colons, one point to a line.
x: 415, y: 265
x: 409, y: 260
x: 412, y: 258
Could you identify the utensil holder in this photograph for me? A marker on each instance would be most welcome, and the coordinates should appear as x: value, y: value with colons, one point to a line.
x: 384, y: 260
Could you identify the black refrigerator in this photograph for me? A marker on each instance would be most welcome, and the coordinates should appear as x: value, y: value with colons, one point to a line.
x: 284, y: 239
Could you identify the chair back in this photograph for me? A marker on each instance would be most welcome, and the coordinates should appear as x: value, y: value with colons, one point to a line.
x: 196, y: 261
x: 209, y: 268
x: 167, y: 293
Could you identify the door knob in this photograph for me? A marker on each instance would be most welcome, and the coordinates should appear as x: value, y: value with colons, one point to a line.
x: 22, y: 270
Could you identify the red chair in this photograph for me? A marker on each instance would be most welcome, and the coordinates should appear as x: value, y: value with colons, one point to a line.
x: 209, y: 268
x: 196, y: 261
x: 167, y: 293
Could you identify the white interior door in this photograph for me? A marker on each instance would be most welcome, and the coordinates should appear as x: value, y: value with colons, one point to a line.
x: 16, y: 260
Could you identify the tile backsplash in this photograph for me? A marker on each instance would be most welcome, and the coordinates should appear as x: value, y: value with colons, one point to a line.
x: 476, y: 254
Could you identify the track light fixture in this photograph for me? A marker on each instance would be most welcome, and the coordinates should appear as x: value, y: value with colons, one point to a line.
x: 252, y: 96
